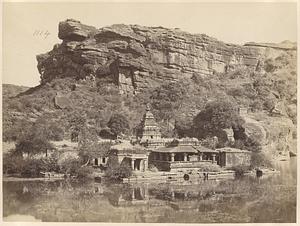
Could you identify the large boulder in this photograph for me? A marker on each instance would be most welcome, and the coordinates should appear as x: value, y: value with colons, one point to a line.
x: 73, y: 30
x: 275, y: 136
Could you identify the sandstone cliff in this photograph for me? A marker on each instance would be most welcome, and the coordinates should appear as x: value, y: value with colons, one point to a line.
x: 136, y: 57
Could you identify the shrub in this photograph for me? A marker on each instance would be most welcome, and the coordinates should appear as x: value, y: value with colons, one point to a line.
x: 117, y: 173
x: 256, y: 105
x: 240, y: 170
x: 12, y: 163
x: 32, y: 167
x: 69, y: 165
x: 269, y: 65
x: 210, y: 168
x: 55, y: 132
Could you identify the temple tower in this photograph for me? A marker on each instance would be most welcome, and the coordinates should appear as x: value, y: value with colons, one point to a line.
x: 150, y: 130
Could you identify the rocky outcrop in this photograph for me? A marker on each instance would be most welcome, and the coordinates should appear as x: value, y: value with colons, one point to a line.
x: 61, y: 101
x: 273, y: 134
x: 73, y: 30
x: 137, y: 57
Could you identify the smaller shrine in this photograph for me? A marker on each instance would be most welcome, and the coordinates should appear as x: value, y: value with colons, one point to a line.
x: 135, y: 156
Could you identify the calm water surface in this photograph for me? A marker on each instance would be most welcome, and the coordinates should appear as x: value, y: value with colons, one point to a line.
x: 249, y: 199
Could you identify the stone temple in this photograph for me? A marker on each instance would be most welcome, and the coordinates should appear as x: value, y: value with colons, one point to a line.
x: 150, y: 130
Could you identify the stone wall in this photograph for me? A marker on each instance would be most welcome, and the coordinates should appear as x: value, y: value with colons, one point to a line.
x: 171, y: 166
x: 230, y: 159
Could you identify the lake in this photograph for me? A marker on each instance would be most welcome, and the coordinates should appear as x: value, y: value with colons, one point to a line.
x: 249, y: 199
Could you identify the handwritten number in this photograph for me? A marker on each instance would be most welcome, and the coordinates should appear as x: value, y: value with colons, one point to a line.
x: 41, y: 33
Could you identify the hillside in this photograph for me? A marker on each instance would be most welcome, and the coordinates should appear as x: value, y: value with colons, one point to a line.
x: 97, y: 72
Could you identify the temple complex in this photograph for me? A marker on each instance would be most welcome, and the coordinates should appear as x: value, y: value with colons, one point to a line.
x: 172, y: 154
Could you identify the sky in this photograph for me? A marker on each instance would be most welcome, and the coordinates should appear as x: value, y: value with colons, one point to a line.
x: 229, y: 22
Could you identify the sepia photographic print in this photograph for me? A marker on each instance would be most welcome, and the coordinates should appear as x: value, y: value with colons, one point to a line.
x: 149, y: 112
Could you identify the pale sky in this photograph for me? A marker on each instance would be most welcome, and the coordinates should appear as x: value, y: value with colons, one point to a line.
x: 229, y: 22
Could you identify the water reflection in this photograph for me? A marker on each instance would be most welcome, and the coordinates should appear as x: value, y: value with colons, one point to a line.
x: 249, y: 199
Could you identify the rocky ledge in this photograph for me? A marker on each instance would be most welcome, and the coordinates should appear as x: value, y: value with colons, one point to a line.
x: 136, y: 57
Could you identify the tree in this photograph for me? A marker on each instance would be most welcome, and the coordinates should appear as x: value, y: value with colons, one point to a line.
x: 117, y: 171
x: 33, y: 142
x: 118, y: 124
x: 183, y: 126
x: 87, y: 145
x: 167, y: 98
x: 13, y: 130
x: 217, y: 115
x: 75, y: 123
x: 52, y: 130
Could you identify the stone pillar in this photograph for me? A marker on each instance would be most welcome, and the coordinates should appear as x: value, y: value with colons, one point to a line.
x: 146, y: 192
x: 172, y: 194
x: 172, y: 157
x: 213, y: 158
x: 185, y: 194
x: 133, y: 195
x: 132, y: 164
x: 200, y: 156
x: 185, y: 157
x: 145, y: 164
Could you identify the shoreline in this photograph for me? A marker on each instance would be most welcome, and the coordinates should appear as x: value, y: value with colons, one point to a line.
x: 8, y: 179
x: 161, y: 176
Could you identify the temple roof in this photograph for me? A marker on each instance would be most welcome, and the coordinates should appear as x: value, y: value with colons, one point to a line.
x: 177, y: 149
x: 205, y: 149
x: 232, y: 150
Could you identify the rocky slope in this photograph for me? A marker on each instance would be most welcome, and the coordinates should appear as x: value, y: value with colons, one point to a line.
x: 100, y: 71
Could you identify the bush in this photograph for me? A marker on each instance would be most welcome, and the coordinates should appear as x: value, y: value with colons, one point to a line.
x: 69, y: 166
x: 12, y: 163
x: 256, y: 105
x: 210, y: 168
x: 240, y: 170
x: 32, y: 167
x: 117, y: 173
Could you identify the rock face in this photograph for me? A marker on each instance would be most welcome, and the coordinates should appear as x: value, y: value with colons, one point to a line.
x: 136, y: 57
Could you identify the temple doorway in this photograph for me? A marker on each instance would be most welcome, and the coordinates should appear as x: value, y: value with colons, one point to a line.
x: 137, y: 164
x: 179, y: 157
